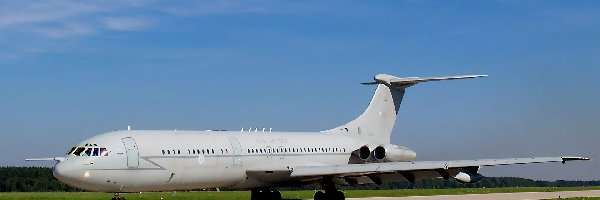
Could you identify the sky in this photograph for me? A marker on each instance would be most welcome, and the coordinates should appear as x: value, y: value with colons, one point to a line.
x: 70, y: 70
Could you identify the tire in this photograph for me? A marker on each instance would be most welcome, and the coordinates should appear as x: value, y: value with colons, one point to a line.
x: 257, y: 195
x: 319, y: 195
x: 275, y: 195
x: 339, y: 195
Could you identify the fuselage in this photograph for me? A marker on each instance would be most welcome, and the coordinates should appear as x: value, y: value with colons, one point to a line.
x: 132, y: 161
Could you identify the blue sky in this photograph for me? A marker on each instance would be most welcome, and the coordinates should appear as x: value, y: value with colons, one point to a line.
x: 70, y: 70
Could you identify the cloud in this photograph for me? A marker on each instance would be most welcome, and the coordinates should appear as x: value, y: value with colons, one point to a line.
x: 55, y: 18
x: 197, y: 8
x: 66, y: 30
x: 125, y: 24
x: 40, y: 24
x: 37, y: 12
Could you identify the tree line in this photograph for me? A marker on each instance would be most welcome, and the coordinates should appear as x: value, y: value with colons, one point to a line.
x: 30, y: 179
x: 40, y: 179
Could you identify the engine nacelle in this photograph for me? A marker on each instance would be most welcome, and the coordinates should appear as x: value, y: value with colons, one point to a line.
x: 393, y: 153
x: 470, y: 177
x: 364, y: 152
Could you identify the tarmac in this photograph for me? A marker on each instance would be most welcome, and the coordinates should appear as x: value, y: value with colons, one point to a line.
x: 496, y: 196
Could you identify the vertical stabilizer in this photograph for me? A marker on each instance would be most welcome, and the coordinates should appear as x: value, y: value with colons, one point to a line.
x: 376, y: 123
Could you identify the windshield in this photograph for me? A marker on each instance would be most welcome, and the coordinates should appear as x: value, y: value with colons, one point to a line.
x: 88, y: 151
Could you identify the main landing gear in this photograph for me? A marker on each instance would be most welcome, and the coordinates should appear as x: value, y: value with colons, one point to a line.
x: 265, y: 194
x: 117, y: 197
x: 330, y: 192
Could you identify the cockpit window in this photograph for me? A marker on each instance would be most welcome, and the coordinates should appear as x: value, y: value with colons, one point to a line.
x: 96, y: 151
x: 72, y: 150
x: 78, y: 151
x: 89, y: 151
x: 103, y: 152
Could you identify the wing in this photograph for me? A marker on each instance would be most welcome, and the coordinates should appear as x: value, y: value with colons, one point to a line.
x: 410, y: 171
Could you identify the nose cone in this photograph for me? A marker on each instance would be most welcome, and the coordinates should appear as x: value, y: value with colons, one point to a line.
x: 65, y: 173
x: 68, y: 173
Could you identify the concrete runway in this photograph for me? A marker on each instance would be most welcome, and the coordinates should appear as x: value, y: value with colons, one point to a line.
x: 497, y: 196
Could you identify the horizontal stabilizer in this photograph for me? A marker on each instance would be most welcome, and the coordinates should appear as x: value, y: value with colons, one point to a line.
x: 409, y: 81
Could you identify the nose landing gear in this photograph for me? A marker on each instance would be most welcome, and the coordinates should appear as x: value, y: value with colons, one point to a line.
x: 117, y: 197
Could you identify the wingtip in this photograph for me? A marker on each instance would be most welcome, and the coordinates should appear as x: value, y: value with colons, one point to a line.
x: 369, y: 83
x: 570, y: 158
x: 479, y: 75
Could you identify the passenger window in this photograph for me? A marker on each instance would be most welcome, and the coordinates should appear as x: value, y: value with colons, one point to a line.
x: 163, y: 151
x: 178, y: 152
x: 212, y: 151
x: 168, y: 151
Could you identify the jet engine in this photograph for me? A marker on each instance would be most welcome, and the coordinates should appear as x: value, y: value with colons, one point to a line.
x: 393, y: 153
x: 364, y: 152
x: 469, y: 175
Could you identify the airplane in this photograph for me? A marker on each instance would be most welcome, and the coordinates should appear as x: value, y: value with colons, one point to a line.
x: 358, y: 152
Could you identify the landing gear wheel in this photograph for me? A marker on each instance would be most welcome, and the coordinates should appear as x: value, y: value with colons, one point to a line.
x: 319, y: 195
x: 275, y: 195
x: 117, y: 197
x: 330, y: 192
x: 338, y: 195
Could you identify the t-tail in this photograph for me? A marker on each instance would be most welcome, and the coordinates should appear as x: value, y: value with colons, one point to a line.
x: 376, y: 123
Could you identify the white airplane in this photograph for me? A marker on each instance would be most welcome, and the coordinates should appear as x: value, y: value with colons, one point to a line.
x: 358, y: 152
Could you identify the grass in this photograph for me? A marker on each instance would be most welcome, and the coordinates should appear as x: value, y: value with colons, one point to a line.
x: 584, y: 198
x: 286, y: 194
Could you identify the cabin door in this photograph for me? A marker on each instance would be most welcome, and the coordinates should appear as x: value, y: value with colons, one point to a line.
x: 237, y: 150
x: 133, y: 155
